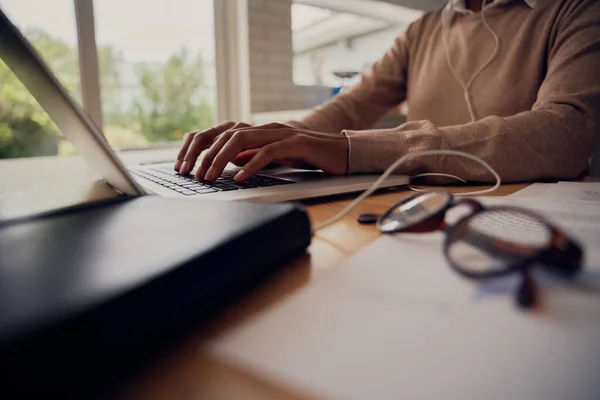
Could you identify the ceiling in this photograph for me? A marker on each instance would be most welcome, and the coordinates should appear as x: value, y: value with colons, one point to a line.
x: 390, y: 11
x: 354, y: 18
x: 423, y: 5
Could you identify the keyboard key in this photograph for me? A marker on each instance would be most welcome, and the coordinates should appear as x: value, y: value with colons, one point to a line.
x: 245, y: 185
x: 223, y: 186
x: 206, y: 190
x: 188, y: 192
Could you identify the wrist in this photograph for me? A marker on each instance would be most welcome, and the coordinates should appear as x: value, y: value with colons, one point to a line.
x: 372, y: 151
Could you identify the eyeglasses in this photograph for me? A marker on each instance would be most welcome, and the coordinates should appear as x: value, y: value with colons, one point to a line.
x: 489, y: 241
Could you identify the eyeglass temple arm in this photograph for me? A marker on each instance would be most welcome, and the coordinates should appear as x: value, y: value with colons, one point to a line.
x: 564, y: 255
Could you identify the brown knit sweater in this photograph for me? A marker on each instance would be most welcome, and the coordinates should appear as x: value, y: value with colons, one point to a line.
x: 537, y: 104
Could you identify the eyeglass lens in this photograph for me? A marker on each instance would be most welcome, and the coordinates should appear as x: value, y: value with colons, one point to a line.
x: 496, y: 240
x: 413, y: 211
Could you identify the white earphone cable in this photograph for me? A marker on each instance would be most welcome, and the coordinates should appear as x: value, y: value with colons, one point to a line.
x: 467, y: 86
x: 414, y: 189
x: 458, y: 178
x: 399, y: 162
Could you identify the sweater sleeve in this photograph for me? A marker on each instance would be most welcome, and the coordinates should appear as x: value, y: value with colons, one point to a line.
x: 553, y: 140
x: 378, y: 91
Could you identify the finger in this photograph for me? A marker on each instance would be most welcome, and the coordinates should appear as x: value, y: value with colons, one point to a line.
x: 200, y: 142
x: 215, y: 147
x: 240, y: 141
x: 241, y: 159
x: 184, y: 149
x: 206, y: 163
x: 275, y: 151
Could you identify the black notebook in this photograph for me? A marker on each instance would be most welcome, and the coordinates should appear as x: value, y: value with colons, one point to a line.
x: 90, y: 293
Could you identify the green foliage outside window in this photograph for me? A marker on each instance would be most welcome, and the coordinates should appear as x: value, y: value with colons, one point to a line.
x: 169, y: 100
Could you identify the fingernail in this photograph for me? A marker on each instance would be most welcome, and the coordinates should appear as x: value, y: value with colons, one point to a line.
x: 177, y: 165
x: 210, y: 173
x: 240, y: 176
x: 183, y: 169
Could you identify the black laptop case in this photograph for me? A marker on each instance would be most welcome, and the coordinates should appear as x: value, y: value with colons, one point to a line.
x: 88, y: 294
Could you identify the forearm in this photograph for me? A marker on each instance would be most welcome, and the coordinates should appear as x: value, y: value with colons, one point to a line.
x: 534, y: 145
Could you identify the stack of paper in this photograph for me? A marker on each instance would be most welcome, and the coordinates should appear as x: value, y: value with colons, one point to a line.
x: 396, y: 322
x: 582, y: 191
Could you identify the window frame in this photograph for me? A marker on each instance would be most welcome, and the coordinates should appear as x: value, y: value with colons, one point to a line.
x: 88, y: 60
x: 232, y: 60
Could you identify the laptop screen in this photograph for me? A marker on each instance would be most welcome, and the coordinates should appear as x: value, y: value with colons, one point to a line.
x: 69, y: 117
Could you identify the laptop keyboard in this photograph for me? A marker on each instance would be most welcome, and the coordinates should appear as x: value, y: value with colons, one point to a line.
x: 189, y: 185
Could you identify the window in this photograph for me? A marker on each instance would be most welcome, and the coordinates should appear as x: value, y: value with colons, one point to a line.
x: 331, y: 44
x: 157, y: 71
x: 156, y: 67
x: 25, y: 128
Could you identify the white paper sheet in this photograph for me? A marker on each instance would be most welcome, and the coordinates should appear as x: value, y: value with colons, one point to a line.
x: 533, y: 190
x: 582, y: 191
x: 397, y: 322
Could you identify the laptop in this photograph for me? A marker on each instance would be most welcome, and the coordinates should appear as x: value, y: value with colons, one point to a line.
x: 271, y: 185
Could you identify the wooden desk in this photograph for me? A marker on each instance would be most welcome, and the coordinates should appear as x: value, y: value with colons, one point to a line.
x: 31, y: 185
x: 191, y: 373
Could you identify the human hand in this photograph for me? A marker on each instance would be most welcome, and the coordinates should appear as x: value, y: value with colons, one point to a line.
x: 274, y: 142
x: 197, y: 142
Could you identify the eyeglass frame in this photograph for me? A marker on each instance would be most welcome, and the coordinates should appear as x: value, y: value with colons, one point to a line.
x: 560, y: 251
